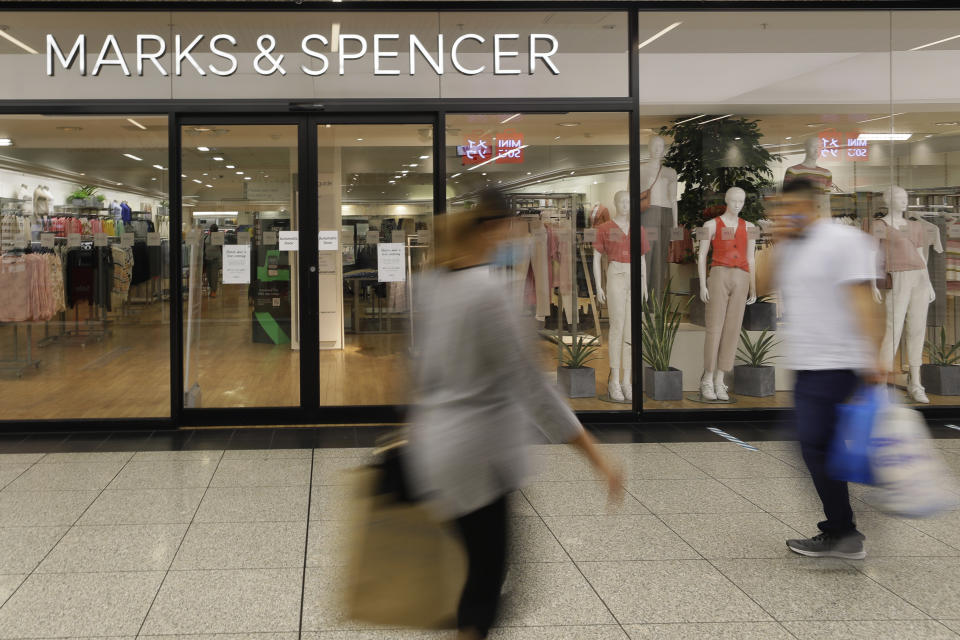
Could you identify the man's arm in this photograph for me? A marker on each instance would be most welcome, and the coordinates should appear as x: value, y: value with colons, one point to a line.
x: 870, y: 320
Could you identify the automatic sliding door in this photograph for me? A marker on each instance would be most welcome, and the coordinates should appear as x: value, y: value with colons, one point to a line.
x: 240, y: 264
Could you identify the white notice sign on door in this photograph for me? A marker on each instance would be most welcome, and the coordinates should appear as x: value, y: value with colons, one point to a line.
x: 236, y: 264
x: 391, y: 262
x: 289, y: 241
x: 328, y: 241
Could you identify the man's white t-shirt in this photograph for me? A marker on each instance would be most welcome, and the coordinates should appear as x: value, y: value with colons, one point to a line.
x: 820, y: 328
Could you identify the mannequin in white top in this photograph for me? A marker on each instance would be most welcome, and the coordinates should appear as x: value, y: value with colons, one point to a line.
x: 613, y: 240
x: 732, y: 284
x: 911, y: 293
x: 661, y: 214
x: 822, y: 178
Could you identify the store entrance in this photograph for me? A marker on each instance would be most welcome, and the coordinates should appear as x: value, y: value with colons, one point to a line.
x: 300, y: 235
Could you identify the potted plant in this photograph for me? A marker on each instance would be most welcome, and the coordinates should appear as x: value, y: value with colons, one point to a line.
x: 83, y: 196
x: 659, y: 328
x: 756, y: 377
x: 761, y: 315
x: 942, y: 375
x: 575, y: 377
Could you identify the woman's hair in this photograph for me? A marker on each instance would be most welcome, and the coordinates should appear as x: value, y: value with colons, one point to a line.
x: 455, y: 230
x: 214, y: 228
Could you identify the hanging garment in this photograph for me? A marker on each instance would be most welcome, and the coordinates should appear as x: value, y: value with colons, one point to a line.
x: 730, y: 253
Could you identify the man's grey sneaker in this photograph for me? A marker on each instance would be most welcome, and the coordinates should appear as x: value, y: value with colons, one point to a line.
x: 849, y: 547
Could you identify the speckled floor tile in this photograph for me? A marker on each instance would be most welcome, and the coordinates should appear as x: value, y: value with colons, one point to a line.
x: 741, y: 463
x: 323, y: 601
x: 386, y: 634
x: 42, y: 508
x: 10, y: 472
x: 815, y: 589
x: 789, y: 456
x: 66, y: 476
x: 518, y: 505
x: 22, y: 548
x: 586, y: 498
x: 532, y: 541
x: 169, y: 456
x: 329, y: 543
x: 88, y: 456
x: 550, y: 594
x: 886, y: 535
x: 8, y: 584
x: 267, y: 454
x: 78, y: 605
x: 332, y: 501
x: 660, y: 466
x: 779, y: 494
x: 110, y: 548
x: 733, y: 535
x: 239, y: 601
x: 871, y: 630
x: 715, y: 445
x: 932, y: 584
x: 709, y: 631
x: 224, y: 636
x: 704, y: 495
x: 360, y: 453
x: 776, y: 445
x: 952, y: 624
x: 334, y: 471
x: 253, y: 504
x: 20, y: 458
x: 945, y: 527
x: 670, y: 591
x: 560, y: 467
x: 282, y: 472
x: 620, y: 537
x: 143, y: 506
x: 166, y: 474
x: 242, y: 545
x: 596, y: 632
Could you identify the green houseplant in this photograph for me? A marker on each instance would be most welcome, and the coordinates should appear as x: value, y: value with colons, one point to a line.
x: 659, y: 327
x: 84, y: 196
x: 942, y: 375
x: 756, y: 376
x: 713, y: 157
x: 575, y: 377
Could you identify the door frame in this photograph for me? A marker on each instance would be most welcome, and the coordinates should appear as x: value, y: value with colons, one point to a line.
x: 309, y: 410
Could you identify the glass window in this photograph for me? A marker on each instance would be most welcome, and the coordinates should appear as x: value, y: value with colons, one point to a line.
x: 733, y: 106
x: 566, y: 179
x: 84, y: 279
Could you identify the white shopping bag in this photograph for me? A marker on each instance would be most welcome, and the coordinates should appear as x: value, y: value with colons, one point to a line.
x: 911, y: 478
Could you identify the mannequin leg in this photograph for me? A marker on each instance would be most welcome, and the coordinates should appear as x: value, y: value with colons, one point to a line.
x: 626, y: 357
x: 617, y: 288
x: 738, y: 288
x: 719, y: 290
x: 916, y: 324
x: 541, y: 275
x: 897, y: 302
x: 570, y: 308
x: 520, y: 275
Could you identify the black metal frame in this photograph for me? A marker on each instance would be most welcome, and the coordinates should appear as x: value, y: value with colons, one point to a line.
x: 308, y: 113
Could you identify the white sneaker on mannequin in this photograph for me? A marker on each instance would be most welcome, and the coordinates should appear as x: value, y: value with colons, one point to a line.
x: 721, y: 391
x: 627, y: 388
x: 706, y: 390
x: 614, y: 390
x: 918, y: 393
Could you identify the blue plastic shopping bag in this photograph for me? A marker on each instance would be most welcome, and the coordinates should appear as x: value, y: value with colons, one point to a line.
x: 850, y: 452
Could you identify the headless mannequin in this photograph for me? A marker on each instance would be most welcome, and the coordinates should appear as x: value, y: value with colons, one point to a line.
x: 724, y: 295
x: 618, y: 286
x: 661, y: 215
x: 821, y: 177
x: 909, y: 300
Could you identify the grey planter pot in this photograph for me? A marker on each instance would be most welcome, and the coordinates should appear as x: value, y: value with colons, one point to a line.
x: 758, y: 382
x: 940, y: 380
x: 760, y: 316
x: 697, y: 310
x: 578, y: 383
x: 77, y: 202
x: 663, y: 385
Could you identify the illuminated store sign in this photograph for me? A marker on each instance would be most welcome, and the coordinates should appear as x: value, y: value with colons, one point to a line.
x: 510, y: 148
x: 837, y: 145
x: 502, y: 52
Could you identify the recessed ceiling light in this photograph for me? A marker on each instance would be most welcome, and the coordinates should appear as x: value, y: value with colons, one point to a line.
x: 568, y: 124
x: 572, y: 172
x: 6, y: 142
x: 885, y: 136
x: 203, y: 148
x: 880, y: 118
x: 392, y: 181
x: 424, y: 157
x: 413, y: 165
x: 69, y: 129
x: 153, y: 179
x: 483, y: 174
x: 208, y: 186
x: 814, y: 124
x: 133, y: 157
x: 183, y: 175
x: 10, y: 38
x: 218, y: 158
x: 158, y: 166
x: 136, y: 124
x: 789, y: 138
x: 529, y: 172
x: 516, y: 115
x: 359, y: 139
x: 231, y: 166
x: 557, y: 138
x: 239, y: 173
x: 947, y: 124
x: 929, y: 135
x: 198, y: 181
x: 930, y: 44
x: 659, y: 34
x: 248, y: 178
x: 455, y: 175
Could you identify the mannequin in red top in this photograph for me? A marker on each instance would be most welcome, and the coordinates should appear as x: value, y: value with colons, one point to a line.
x: 731, y: 286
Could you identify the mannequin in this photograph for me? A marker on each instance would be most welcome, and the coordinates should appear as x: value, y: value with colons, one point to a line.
x: 613, y: 240
x: 819, y: 176
x: 732, y: 284
x: 22, y: 192
x: 911, y: 293
x: 41, y: 200
x: 661, y: 215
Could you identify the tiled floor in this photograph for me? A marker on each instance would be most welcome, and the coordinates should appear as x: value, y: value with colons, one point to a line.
x: 248, y: 543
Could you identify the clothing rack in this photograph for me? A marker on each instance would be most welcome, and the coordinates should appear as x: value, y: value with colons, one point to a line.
x: 17, y: 364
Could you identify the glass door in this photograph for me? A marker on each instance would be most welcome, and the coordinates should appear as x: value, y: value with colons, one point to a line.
x: 240, y: 264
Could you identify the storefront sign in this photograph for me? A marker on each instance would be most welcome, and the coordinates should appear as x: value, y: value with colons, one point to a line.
x: 510, y: 148
x: 391, y: 261
x: 236, y: 264
x: 289, y: 241
x: 475, y: 151
x: 47, y: 240
x: 328, y: 241
x: 268, y: 191
x: 503, y: 52
x: 839, y: 146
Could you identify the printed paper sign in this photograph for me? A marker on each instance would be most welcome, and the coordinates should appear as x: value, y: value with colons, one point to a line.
x: 728, y: 233
x: 243, y: 237
x: 701, y: 233
x: 270, y: 238
x: 753, y: 233
x: 399, y: 236
x: 216, y: 238
x: 99, y: 239
x: 328, y: 241
x: 47, y: 240
x: 73, y: 239
x: 236, y: 264
x: 424, y: 236
x: 391, y: 262
x: 373, y: 237
x: 193, y: 237
x: 676, y: 234
x: 590, y: 235
x: 126, y: 241
x: 289, y: 241
x: 653, y: 235
x: 153, y: 239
